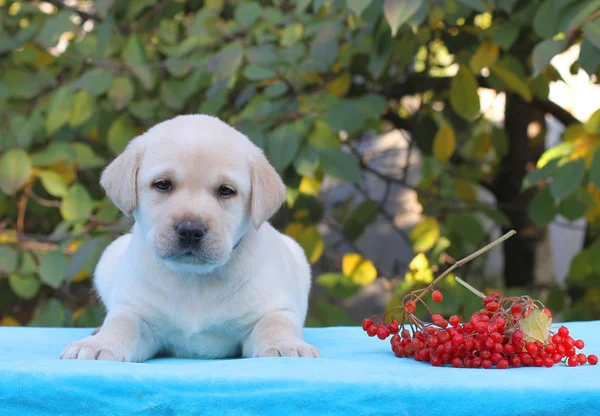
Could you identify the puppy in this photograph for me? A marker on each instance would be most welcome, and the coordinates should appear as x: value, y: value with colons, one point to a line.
x: 202, y: 274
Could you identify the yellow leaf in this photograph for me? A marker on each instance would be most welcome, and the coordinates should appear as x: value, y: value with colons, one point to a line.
x: 311, y: 241
x: 585, y: 149
x: 512, y: 82
x: 419, y: 270
x: 293, y: 230
x: 536, y: 327
x: 464, y: 98
x: 8, y: 236
x: 425, y: 234
x: 340, y: 85
x: 444, y: 143
x: 81, y: 276
x: 67, y: 171
x: 481, y: 146
x: 9, y: 321
x: 484, y: 57
x: 310, y: 186
x: 359, y: 269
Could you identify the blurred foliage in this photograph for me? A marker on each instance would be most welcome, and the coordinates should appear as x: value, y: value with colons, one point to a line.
x: 304, y: 80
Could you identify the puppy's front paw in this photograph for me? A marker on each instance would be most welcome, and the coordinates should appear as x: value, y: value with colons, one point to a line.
x: 289, y: 349
x: 92, y: 348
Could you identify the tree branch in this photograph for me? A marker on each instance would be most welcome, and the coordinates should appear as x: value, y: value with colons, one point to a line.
x: 84, y: 15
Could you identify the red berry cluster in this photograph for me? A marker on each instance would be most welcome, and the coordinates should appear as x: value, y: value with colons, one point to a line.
x: 491, y: 337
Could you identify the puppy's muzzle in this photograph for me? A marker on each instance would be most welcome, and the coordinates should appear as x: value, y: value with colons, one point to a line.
x: 190, y: 233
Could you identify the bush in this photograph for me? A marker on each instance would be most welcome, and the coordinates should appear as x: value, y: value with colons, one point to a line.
x: 305, y: 80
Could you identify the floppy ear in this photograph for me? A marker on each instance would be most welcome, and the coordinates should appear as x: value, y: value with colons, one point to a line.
x: 119, y: 179
x: 268, y: 190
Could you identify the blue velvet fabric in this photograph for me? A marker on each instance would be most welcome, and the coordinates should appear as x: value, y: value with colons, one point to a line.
x: 356, y: 376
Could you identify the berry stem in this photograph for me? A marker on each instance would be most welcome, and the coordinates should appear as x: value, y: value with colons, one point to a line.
x: 468, y: 286
x: 465, y: 261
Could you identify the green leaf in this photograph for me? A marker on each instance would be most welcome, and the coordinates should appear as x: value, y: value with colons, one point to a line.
x: 495, y: 215
x: 120, y: 133
x: 543, y: 53
x: 338, y: 285
x: 15, y: 168
x: 96, y: 81
x: 485, y: 56
x: 54, y: 27
x: 363, y: 214
x: 425, y: 234
x: 340, y: 165
x: 307, y: 161
x: 121, y: 92
x: 478, y: 5
x: 226, y: 62
x: 468, y: 227
x: 276, y: 90
x: 25, y: 287
x: 134, y: 55
x: 104, y: 32
x: 536, y: 327
x: 398, y: 12
x: 500, y: 142
x: 77, y: 203
x: 59, y: 110
x: 291, y: 34
x: 547, y: 20
x: 444, y: 143
x: 589, y: 57
x: 591, y: 31
x: 532, y: 178
x: 358, y: 6
x: 512, y: 82
x: 576, y: 205
x: 258, y: 73
x: 322, y: 136
x: 283, y: 145
x: 566, y: 178
x: 506, y: 35
x: 542, y: 208
x: 53, y: 183
x: 559, y: 151
x: 463, y: 94
x: 53, y: 267
x: 347, y: 115
x: 577, y: 14
x: 594, y: 174
x: 9, y: 259
x: 247, y: 13
x: 85, y: 157
x: 83, y: 108
x: 50, y: 314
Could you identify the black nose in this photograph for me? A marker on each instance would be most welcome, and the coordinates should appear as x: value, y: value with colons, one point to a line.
x: 190, y: 232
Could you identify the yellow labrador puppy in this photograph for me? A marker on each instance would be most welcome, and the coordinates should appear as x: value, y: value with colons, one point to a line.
x: 202, y: 274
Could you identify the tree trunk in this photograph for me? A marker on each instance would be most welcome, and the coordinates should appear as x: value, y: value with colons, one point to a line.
x: 519, y: 251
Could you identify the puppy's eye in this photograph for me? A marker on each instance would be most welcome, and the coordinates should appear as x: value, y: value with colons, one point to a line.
x: 163, y: 185
x: 226, y: 191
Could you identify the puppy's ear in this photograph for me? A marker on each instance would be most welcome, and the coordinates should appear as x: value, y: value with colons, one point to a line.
x: 268, y: 190
x: 119, y: 179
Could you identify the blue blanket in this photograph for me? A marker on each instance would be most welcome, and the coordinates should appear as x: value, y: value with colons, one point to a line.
x: 356, y: 376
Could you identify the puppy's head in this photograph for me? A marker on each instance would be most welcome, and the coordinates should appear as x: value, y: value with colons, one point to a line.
x: 195, y: 186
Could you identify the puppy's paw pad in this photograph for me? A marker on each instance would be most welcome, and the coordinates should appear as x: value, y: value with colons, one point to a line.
x: 303, y: 350
x: 91, y: 349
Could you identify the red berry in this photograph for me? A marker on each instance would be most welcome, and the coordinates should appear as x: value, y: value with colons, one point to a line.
x: 457, y: 362
x: 515, y: 361
x: 526, y: 313
x: 517, y: 336
x: 443, y: 324
x: 485, y: 354
x: 435, y: 361
x: 458, y: 340
x: 531, y: 348
x: 502, y: 364
x: 548, y: 362
x: 556, y: 358
x: 481, y: 327
x: 498, y: 348
x: 437, y: 296
x: 393, y: 326
x: 433, y: 342
x: 561, y: 350
x: 568, y: 342
x: 454, y: 320
x: 366, y: 323
x: 477, y: 362
x: 410, y: 306
x: 487, y: 364
x: 579, y: 344
x: 496, y: 336
x: 557, y: 339
x: 550, y: 349
x: 538, y: 362
x: 570, y: 352
x: 592, y: 359
x: 489, y: 343
x: 436, y: 318
x: 516, y: 308
x: 398, y: 351
x: 563, y: 331
x: 372, y: 330
x: 547, y: 312
x: 581, y: 358
x: 492, y: 306
x: 526, y: 359
x: 500, y: 323
x: 509, y: 349
x: 405, y: 333
x: 573, y: 361
x: 383, y: 332
x: 444, y: 337
x: 469, y: 343
x: 496, y: 357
